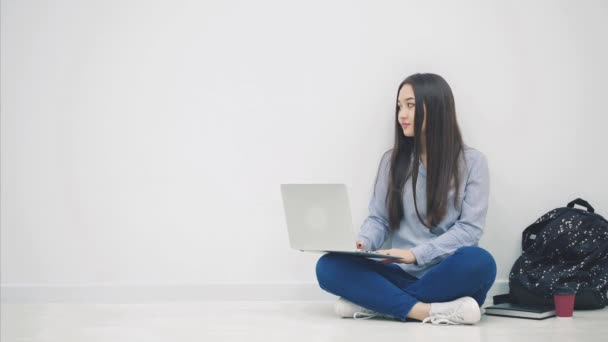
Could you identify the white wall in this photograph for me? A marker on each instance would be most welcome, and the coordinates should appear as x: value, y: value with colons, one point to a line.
x: 140, y: 139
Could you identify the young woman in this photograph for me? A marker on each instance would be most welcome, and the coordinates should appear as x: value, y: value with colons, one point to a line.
x: 431, y: 196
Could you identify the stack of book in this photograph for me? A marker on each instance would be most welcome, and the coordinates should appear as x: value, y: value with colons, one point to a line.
x: 520, y: 311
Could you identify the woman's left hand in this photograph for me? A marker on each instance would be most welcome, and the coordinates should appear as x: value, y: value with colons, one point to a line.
x: 407, y: 257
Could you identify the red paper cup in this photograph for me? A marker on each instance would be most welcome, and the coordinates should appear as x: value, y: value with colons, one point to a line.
x: 564, y: 304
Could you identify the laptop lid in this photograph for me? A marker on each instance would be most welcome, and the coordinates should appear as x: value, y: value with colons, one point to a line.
x: 318, y: 217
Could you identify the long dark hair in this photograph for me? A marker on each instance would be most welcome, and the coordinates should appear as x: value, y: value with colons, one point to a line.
x: 444, y: 147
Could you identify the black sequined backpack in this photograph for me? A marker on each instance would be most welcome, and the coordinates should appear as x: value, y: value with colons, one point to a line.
x: 565, y: 248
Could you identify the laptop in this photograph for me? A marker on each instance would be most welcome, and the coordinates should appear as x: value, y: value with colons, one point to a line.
x: 319, y: 220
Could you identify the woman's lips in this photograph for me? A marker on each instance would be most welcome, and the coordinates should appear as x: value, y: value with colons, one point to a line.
x: 404, y: 126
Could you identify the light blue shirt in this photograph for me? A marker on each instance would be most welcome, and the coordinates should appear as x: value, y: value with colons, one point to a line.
x: 460, y: 227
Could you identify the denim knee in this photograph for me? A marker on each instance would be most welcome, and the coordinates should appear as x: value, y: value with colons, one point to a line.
x: 328, y: 267
x: 479, y: 262
x: 325, y: 266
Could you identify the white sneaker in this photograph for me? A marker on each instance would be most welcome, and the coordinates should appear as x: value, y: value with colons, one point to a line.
x: 347, y: 309
x: 460, y: 311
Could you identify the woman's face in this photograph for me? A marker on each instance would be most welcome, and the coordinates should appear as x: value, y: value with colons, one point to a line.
x: 407, y: 111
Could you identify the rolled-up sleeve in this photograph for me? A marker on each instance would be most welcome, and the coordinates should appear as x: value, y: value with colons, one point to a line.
x: 375, y: 228
x: 467, y: 230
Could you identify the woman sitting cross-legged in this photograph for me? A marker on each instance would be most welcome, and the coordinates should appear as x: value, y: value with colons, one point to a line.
x: 431, y: 196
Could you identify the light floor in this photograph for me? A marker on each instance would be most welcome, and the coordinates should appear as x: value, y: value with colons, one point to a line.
x: 267, y: 321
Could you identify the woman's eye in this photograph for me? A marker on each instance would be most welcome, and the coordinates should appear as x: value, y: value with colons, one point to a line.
x: 410, y: 105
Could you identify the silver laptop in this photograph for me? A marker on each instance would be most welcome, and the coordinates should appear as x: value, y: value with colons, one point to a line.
x: 319, y: 219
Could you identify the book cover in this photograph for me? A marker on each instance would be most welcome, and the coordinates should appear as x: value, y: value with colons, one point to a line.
x: 520, y: 311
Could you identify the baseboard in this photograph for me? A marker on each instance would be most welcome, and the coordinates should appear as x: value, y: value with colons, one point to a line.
x: 131, y: 293
x: 147, y: 293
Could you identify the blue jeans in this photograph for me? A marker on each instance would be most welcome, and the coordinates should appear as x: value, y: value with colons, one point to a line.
x: 389, y: 290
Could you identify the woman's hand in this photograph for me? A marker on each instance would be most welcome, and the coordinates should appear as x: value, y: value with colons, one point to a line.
x: 360, y: 245
x: 407, y: 257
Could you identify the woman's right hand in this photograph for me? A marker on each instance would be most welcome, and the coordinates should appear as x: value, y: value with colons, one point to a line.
x: 360, y: 244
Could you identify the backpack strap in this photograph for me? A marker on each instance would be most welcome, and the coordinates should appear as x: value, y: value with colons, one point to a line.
x: 582, y: 203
